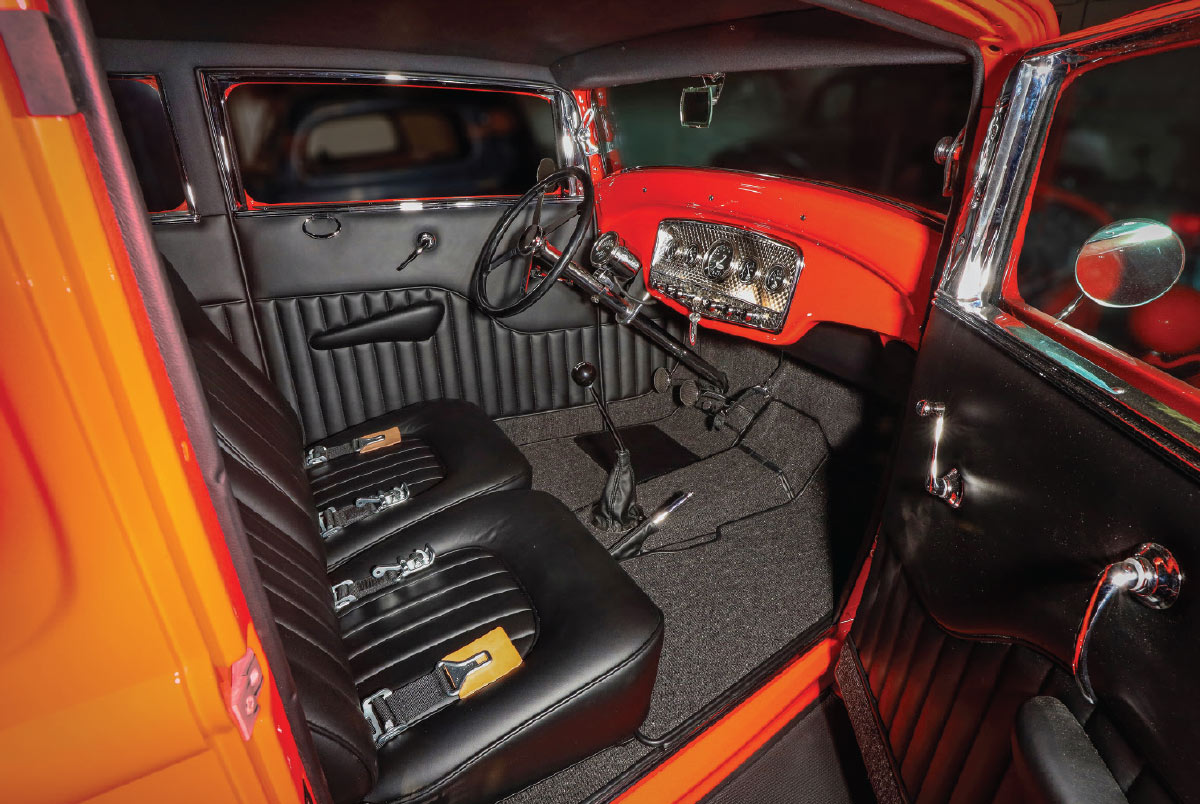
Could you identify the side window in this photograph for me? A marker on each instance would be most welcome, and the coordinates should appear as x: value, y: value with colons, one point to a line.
x: 1120, y: 157
x: 307, y: 143
x: 142, y: 110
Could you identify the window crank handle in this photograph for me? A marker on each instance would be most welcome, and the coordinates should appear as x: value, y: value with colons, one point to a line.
x: 426, y: 241
x: 1151, y: 576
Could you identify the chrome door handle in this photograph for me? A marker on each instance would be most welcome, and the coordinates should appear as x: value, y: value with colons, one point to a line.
x: 1151, y: 575
x: 947, y: 487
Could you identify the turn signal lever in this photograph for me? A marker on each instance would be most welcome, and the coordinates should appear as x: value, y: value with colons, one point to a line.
x: 631, y: 543
x: 1151, y: 576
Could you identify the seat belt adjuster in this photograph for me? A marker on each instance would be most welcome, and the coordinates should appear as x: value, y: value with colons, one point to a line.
x: 347, y: 592
x: 362, y: 444
x: 333, y: 519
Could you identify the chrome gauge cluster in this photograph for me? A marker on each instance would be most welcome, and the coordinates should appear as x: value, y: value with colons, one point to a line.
x: 726, y: 272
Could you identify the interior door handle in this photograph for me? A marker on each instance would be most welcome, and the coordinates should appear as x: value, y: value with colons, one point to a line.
x: 1151, y: 575
x: 949, y: 486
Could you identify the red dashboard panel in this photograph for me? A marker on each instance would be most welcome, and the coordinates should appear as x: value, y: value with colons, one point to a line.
x: 868, y: 263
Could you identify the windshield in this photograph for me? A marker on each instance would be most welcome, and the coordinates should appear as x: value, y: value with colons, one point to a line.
x: 819, y: 124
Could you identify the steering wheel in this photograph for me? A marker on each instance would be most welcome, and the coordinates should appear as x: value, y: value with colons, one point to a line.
x: 530, y: 242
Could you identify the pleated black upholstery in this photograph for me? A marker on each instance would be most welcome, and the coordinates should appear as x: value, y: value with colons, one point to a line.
x: 947, y: 705
x: 471, y: 357
x: 413, y: 462
x: 260, y: 440
x: 399, y: 633
x: 236, y: 324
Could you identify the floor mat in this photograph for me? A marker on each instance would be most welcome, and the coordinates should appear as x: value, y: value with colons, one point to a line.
x: 654, y: 453
x: 815, y: 759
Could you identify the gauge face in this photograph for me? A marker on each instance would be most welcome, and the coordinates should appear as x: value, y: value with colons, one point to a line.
x: 688, y: 255
x: 747, y: 269
x: 718, y: 261
x: 776, y: 278
x: 602, y: 248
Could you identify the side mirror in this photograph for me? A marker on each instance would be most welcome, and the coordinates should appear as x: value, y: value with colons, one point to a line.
x: 1127, y: 264
x: 696, y: 103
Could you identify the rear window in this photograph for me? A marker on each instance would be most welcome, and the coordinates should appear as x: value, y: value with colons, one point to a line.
x: 869, y: 128
x: 303, y: 143
x: 142, y: 111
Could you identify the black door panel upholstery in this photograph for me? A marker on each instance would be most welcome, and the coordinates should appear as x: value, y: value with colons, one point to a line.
x: 972, y: 611
x: 947, y: 706
x: 304, y: 287
x: 281, y: 260
x: 472, y: 357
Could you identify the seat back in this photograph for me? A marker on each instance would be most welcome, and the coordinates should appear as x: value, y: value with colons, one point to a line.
x: 263, y: 452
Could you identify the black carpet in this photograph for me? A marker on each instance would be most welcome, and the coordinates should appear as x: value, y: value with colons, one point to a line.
x: 654, y: 453
x: 814, y: 759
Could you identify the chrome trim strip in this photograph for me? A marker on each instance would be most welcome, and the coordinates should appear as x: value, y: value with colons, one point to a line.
x: 995, y: 204
x: 180, y: 216
x: 395, y: 206
x: 215, y: 81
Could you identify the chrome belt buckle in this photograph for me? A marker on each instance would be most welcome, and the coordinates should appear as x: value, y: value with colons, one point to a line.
x: 454, y: 674
x: 419, y: 559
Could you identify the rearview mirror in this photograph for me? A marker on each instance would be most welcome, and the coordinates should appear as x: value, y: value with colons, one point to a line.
x: 696, y: 103
x: 1129, y: 263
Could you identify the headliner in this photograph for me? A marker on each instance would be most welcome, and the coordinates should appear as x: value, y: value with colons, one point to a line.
x: 501, y: 30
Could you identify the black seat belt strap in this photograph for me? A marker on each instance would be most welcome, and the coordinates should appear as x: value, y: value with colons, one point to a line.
x: 348, y: 592
x: 334, y: 519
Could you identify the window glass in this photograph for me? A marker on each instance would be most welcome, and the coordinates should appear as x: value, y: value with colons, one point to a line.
x: 318, y: 143
x: 870, y: 128
x: 1121, y: 146
x: 143, y: 115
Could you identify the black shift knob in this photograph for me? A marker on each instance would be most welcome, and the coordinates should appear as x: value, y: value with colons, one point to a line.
x: 584, y: 374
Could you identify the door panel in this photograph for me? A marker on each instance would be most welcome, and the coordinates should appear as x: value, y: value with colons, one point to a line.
x: 303, y: 287
x: 1053, y: 493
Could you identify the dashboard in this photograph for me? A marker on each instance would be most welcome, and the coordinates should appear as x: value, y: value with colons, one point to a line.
x: 767, y: 258
x: 725, y: 272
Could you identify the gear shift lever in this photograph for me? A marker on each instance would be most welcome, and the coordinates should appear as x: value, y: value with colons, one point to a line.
x: 618, y: 505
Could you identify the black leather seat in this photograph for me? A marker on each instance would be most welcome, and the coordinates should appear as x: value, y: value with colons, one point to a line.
x: 451, y: 451
x: 517, y: 558
x: 589, y: 636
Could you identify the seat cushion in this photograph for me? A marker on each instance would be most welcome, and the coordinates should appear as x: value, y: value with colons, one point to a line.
x: 589, y: 636
x: 450, y: 452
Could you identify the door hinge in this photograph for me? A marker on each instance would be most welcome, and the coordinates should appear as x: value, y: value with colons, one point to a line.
x: 246, y: 679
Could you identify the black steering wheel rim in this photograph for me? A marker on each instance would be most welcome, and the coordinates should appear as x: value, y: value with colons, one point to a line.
x: 484, y: 265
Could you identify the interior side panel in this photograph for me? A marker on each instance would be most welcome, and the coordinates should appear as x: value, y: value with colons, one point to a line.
x: 1053, y: 492
x: 303, y: 287
x: 503, y: 370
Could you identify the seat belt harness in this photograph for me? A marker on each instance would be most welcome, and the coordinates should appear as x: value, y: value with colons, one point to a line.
x: 363, y: 444
x: 459, y: 675
x: 348, y: 592
x: 334, y: 519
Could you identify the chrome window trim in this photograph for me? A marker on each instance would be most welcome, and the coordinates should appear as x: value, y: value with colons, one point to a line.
x: 996, y: 199
x: 185, y: 216
x: 214, y: 81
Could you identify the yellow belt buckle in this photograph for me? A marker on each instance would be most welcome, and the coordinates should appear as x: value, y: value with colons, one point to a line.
x: 373, y: 441
x: 474, y: 666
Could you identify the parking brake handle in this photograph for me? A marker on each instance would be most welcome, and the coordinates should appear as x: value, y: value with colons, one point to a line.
x: 631, y: 543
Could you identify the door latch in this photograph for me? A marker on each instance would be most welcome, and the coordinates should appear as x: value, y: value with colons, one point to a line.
x: 947, y: 487
x: 1151, y: 576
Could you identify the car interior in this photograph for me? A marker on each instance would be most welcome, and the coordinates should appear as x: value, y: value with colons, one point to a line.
x: 562, y: 368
